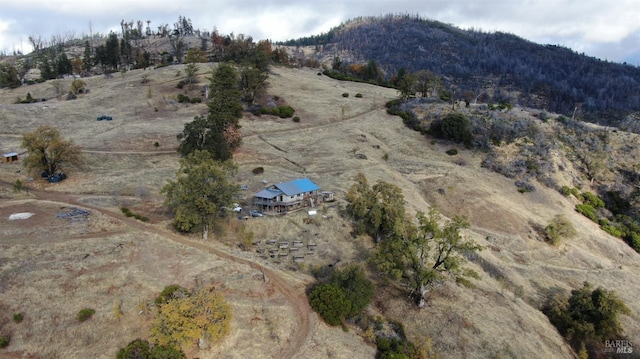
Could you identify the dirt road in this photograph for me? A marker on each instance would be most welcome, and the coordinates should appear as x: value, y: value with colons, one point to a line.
x: 293, y: 294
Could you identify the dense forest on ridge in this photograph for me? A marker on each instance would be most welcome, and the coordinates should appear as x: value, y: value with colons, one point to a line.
x: 504, y: 66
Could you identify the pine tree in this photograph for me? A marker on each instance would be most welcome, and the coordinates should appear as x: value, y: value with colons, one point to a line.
x: 217, y: 133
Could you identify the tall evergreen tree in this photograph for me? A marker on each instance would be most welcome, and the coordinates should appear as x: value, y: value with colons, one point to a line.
x: 63, y: 65
x: 126, y: 51
x: 218, y: 133
x: 111, y: 54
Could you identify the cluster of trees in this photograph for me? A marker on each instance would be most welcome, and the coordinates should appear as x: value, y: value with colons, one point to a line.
x: 487, y: 131
x: 549, y: 76
x: 587, y: 318
x: 343, y: 295
x: 127, y: 50
x: 218, y: 132
x: 368, y: 72
x: 417, y: 256
x: 204, y: 183
x: 115, y: 54
x: 615, y: 216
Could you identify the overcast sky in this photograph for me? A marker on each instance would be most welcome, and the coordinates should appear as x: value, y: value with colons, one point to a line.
x: 606, y: 29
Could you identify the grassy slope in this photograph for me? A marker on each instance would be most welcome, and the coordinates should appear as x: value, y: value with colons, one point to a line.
x: 516, y: 266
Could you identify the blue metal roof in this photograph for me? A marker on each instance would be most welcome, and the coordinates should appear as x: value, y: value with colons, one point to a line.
x: 290, y: 188
x: 297, y: 186
x: 11, y: 154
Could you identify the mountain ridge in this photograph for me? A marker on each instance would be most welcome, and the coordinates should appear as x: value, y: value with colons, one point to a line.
x: 548, y: 77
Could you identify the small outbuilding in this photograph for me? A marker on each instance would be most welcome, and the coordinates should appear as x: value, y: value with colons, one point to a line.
x: 10, y: 157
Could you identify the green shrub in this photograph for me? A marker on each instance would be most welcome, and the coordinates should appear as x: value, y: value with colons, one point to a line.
x: 196, y: 100
x: 394, y: 348
x: 455, y: 127
x: 593, y: 200
x: 566, y: 191
x: 357, y: 288
x: 127, y: 212
x: 183, y: 98
x: 156, y: 144
x: 136, y: 349
x: 171, y: 292
x: 525, y: 186
x: 285, y: 111
x: 280, y: 111
x: 140, y: 349
x: 166, y: 352
x: 18, y: 186
x: 359, y: 95
x: 28, y: 99
x: 409, y: 118
x: 345, y: 94
x: 559, y: 227
x: 296, y: 119
x: 264, y: 110
x: 346, y: 295
x: 330, y: 302
x: 85, y: 314
x: 5, y: 340
x: 385, y: 156
x: 531, y: 165
x: 576, y: 193
x: 633, y: 239
x: 452, y: 152
x: 18, y: 317
x: 180, y: 84
x: 612, y: 230
x: 588, y: 211
x: 140, y: 217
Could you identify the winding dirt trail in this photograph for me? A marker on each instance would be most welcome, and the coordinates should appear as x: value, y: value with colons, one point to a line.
x: 293, y: 294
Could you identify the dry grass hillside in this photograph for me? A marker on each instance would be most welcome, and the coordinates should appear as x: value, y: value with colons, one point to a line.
x: 52, y: 267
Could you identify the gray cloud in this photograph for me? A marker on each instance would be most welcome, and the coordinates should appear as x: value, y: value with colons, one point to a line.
x: 604, y: 29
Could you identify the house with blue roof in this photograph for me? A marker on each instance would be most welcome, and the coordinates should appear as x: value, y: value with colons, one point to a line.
x: 287, y: 196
